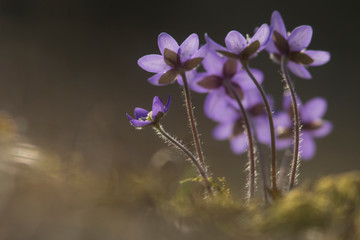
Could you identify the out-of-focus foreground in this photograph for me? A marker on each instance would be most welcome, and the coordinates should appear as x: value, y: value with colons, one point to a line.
x: 42, y: 197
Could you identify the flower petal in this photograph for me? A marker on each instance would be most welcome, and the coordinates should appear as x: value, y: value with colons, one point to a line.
x: 157, y: 106
x: 235, y: 42
x: 318, y: 57
x: 167, y: 41
x: 299, y: 70
x: 313, y: 110
x: 188, y: 47
x: 217, y: 108
x: 283, y: 120
x: 307, y: 147
x: 277, y: 24
x: 246, y: 83
x: 153, y: 63
x: 129, y: 117
x: 138, y: 123
x: 140, y: 112
x: 300, y: 38
x: 271, y: 48
x: 223, y: 131
x: 193, y: 78
x: 262, y: 35
x: 202, y: 52
x: 213, y: 63
x: 323, y: 131
x: 167, y: 104
x: 287, y: 102
x: 154, y: 80
x: 239, y: 144
x: 193, y: 84
x: 213, y: 45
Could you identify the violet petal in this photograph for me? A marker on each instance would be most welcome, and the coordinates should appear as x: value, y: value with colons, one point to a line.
x: 167, y: 41
x: 235, y: 42
x: 313, y: 110
x: 319, y: 57
x: 246, y: 83
x: 153, y: 63
x: 214, y: 45
x: 157, y: 106
x: 262, y: 35
x: 188, y: 47
x: 323, y: 131
x: 223, y: 131
x: 277, y: 24
x: 213, y: 63
x: 239, y: 144
x: 138, y: 123
x: 300, y: 38
x: 299, y: 70
x: 140, y: 112
x: 307, y: 146
x: 154, y: 80
x: 167, y: 104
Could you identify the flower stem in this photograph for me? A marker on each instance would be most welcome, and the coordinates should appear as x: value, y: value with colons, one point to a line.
x: 296, y: 119
x: 251, y: 149
x: 262, y: 165
x: 193, y: 159
x: 271, y: 123
x: 192, y: 121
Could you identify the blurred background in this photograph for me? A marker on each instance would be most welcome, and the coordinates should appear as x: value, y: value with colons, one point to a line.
x: 68, y: 75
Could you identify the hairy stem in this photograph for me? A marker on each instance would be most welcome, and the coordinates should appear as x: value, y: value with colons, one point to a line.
x: 193, y: 122
x: 251, y: 149
x: 296, y: 119
x: 193, y: 159
x: 271, y: 123
x: 261, y: 160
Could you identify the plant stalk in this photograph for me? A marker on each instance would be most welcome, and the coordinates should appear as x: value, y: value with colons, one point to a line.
x: 192, y: 121
x: 296, y: 120
x: 193, y: 159
x: 251, y: 149
x: 271, y: 123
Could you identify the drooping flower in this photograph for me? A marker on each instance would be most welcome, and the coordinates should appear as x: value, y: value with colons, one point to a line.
x: 145, y: 118
x: 239, y: 47
x: 293, y: 45
x: 173, y: 58
x: 313, y: 126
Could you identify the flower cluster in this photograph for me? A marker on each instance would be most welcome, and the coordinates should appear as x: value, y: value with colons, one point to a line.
x: 235, y: 98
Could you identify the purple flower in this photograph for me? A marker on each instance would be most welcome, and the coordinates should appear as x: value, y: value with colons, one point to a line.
x: 231, y: 122
x: 222, y: 71
x: 241, y: 48
x: 313, y: 126
x: 233, y: 130
x: 144, y: 118
x: 173, y: 58
x: 293, y: 46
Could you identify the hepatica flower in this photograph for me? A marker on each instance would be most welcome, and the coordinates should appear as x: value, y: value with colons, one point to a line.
x: 145, y: 118
x: 220, y: 73
x: 173, y: 59
x: 237, y: 46
x: 293, y: 46
x: 233, y: 130
x: 313, y: 126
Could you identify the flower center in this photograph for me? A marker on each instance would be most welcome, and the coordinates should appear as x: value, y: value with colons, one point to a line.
x: 149, y: 117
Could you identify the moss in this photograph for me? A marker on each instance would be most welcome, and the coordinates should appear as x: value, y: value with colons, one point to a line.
x: 323, y: 210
